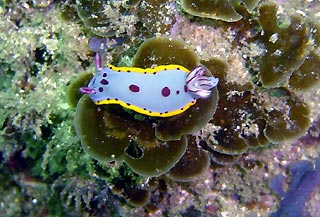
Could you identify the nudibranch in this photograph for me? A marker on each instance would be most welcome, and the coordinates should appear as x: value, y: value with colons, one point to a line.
x: 162, y: 91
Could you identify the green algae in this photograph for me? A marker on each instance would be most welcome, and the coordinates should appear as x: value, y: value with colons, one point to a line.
x: 106, y: 18
x: 158, y: 160
x: 164, y: 51
x: 223, y: 159
x: 94, y: 139
x: 120, y: 18
x: 253, y: 134
x: 93, y: 17
x: 250, y: 4
x: 69, y: 11
x: 155, y: 16
x: 307, y: 75
x: 289, y: 120
x: 194, y: 162
x: 234, y: 99
x: 73, y: 94
x: 286, y: 47
x: 218, y: 9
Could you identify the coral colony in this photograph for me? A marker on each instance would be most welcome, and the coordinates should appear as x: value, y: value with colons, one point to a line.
x: 159, y: 108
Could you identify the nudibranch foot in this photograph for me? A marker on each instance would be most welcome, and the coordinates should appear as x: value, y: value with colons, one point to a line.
x: 199, y: 84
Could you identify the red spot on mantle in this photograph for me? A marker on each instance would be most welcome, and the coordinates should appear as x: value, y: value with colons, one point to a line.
x: 165, y: 91
x: 134, y: 88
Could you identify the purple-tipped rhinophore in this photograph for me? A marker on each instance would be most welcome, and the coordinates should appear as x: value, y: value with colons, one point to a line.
x: 199, y: 84
x: 87, y: 90
x: 98, y: 62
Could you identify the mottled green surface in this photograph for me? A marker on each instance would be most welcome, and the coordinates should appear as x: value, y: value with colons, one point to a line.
x: 227, y: 117
x: 217, y: 9
x: 194, y: 162
x: 164, y: 51
x: 155, y: 16
x: 286, y: 47
x: 288, y: 122
x: 106, y: 18
x: 307, y: 75
x: 105, y: 135
x: 120, y: 18
x: 73, y: 93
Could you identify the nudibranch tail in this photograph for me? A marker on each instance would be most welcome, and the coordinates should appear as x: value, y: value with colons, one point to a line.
x: 199, y: 84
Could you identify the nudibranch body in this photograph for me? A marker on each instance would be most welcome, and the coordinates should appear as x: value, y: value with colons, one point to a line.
x: 163, y: 91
